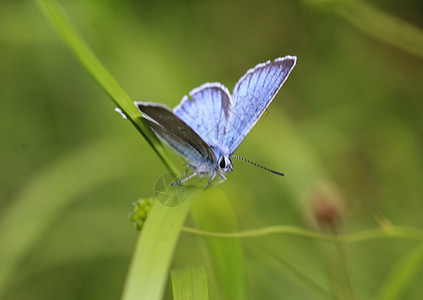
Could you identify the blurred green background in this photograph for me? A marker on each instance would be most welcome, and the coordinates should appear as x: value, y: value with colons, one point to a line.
x: 346, y: 129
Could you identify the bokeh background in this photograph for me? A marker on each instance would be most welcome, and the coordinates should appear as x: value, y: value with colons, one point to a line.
x: 346, y: 128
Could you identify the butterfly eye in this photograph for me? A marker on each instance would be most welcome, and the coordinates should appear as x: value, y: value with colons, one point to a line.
x: 222, y: 163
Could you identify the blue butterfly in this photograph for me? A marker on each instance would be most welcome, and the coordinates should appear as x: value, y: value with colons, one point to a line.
x: 209, y: 124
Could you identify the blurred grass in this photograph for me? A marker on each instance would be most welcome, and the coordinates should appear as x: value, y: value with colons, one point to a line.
x: 44, y: 199
x: 349, y: 117
x: 226, y: 258
x: 377, y: 23
x: 402, y: 275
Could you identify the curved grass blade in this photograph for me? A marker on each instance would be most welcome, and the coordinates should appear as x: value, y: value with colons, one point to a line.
x: 148, y: 271
x: 156, y: 244
x: 102, y: 77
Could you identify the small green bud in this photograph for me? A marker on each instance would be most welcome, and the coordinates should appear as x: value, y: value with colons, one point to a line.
x: 141, y: 209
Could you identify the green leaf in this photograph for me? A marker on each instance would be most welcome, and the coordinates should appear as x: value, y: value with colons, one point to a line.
x: 190, y: 283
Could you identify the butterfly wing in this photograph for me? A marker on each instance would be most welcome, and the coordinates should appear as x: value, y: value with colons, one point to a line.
x: 178, y: 135
x: 207, y: 112
x: 252, y: 95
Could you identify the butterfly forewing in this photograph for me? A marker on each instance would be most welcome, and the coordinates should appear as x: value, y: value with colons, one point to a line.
x: 252, y: 95
x: 177, y: 134
x: 207, y: 111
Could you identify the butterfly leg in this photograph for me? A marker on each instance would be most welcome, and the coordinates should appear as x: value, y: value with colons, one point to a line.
x: 184, y: 178
x: 222, y: 179
x: 178, y: 182
x: 209, y: 182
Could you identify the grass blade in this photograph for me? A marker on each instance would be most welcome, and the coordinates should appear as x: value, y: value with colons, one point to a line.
x: 401, y: 275
x: 102, y: 76
x: 50, y: 191
x: 190, y: 283
x: 148, y: 271
x: 156, y: 244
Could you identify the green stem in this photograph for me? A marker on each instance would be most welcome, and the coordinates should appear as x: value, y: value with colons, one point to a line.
x: 370, y: 234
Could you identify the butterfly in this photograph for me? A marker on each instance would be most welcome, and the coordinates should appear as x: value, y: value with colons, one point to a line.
x: 209, y: 124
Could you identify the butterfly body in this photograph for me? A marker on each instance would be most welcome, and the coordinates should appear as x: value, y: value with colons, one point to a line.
x: 209, y: 124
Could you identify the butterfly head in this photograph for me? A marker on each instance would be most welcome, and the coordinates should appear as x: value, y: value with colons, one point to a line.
x: 224, y: 164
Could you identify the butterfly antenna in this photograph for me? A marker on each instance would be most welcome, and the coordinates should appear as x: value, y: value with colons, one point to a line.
x: 257, y: 165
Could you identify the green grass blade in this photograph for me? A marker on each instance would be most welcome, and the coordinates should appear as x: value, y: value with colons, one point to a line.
x: 156, y: 244
x: 102, y: 76
x: 226, y: 255
x: 402, y: 275
x: 50, y: 191
x: 148, y: 271
x: 190, y: 283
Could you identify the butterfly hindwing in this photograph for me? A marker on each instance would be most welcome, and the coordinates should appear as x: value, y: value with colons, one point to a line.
x: 206, y: 110
x: 252, y: 95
